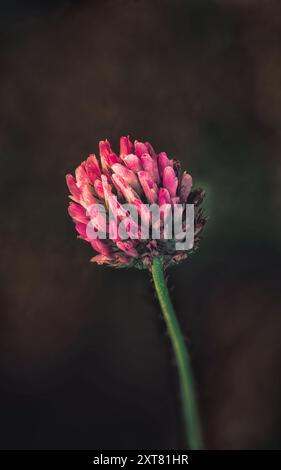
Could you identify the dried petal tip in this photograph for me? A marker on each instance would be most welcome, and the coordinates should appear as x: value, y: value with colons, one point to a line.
x: 140, y: 177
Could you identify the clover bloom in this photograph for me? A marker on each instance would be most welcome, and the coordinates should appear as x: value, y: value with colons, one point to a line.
x: 138, y: 176
x: 145, y: 180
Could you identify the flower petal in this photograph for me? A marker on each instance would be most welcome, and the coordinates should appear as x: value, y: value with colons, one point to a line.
x: 73, y: 188
x: 87, y: 199
x: 125, y: 146
x: 140, y: 148
x: 99, y: 188
x: 92, y: 167
x: 105, y: 150
x: 100, y: 246
x: 164, y: 197
x: 77, y: 213
x: 125, y: 188
x: 170, y: 181
x: 102, y: 259
x: 151, y: 151
x: 133, y: 162
x: 128, y: 175
x: 163, y: 162
x: 82, y: 230
x: 81, y: 175
x: 185, y: 187
x: 150, y: 166
x: 149, y: 187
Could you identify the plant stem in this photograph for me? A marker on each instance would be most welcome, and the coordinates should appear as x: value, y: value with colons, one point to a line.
x: 187, y: 389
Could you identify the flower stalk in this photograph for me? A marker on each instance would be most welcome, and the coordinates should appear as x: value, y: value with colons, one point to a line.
x: 187, y: 388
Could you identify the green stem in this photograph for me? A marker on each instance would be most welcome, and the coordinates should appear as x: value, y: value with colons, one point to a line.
x: 187, y: 389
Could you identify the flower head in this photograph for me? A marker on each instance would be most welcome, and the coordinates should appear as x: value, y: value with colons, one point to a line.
x: 146, y: 181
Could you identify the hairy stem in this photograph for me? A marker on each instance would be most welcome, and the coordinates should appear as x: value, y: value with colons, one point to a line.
x: 187, y: 389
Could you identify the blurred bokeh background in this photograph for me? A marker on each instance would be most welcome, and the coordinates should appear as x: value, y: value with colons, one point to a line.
x: 85, y: 362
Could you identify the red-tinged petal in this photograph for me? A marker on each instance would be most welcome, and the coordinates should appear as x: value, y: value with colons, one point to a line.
x: 151, y: 151
x: 143, y: 211
x: 127, y: 247
x: 133, y: 162
x: 106, y: 187
x: 99, y: 188
x: 125, y: 146
x: 128, y: 175
x: 82, y: 230
x: 102, y: 259
x: 105, y: 150
x: 150, y: 166
x: 98, y: 218
x: 140, y: 148
x: 112, y: 158
x: 163, y: 162
x: 185, y: 188
x: 87, y: 198
x: 73, y: 188
x: 130, y: 197
x: 78, y: 213
x: 129, y: 194
x: 164, y: 201
x: 110, y: 199
x: 101, y: 247
x: 170, y: 181
x: 149, y: 187
x: 81, y: 175
x: 164, y: 197
x: 92, y: 166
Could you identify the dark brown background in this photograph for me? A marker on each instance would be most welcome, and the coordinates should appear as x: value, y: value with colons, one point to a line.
x: 84, y: 359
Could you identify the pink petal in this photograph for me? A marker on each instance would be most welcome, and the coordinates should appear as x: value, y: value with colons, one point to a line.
x: 140, y: 148
x: 92, y: 166
x: 170, y: 181
x: 128, y: 175
x: 82, y: 230
x: 130, y: 197
x: 133, y: 162
x: 111, y: 199
x: 102, y: 259
x: 112, y: 158
x: 185, y: 188
x: 105, y: 150
x: 125, y: 146
x: 150, y: 166
x: 164, y: 197
x: 73, y: 188
x: 149, y: 187
x: 163, y: 162
x: 151, y: 150
x: 87, y: 199
x: 99, y: 188
x: 164, y: 201
x: 100, y: 246
x: 98, y: 219
x: 143, y: 211
x: 81, y: 175
x: 78, y: 213
x: 127, y: 190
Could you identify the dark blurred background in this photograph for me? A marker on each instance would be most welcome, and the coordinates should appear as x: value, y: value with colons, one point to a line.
x: 85, y: 362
